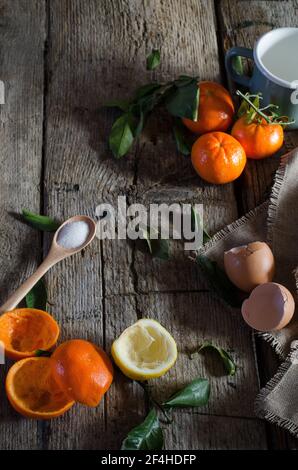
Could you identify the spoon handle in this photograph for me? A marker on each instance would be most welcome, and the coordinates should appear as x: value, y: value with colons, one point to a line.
x: 23, y: 290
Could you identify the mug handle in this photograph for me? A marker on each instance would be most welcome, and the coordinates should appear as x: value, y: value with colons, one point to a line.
x: 243, y: 80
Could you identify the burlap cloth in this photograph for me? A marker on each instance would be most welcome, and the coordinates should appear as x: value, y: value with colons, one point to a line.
x: 276, y: 222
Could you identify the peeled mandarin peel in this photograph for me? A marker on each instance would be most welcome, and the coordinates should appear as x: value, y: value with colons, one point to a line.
x: 82, y: 370
x: 25, y: 330
x: 32, y: 390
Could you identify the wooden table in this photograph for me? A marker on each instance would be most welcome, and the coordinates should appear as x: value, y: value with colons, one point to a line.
x: 61, y: 60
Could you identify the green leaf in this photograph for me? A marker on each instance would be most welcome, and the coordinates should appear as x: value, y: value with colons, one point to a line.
x: 37, y: 296
x: 245, y: 108
x: 219, y: 282
x: 140, y: 125
x: 181, y: 142
x: 121, y: 104
x: 238, y: 65
x: 158, y: 247
x: 197, y: 224
x: 40, y: 222
x: 42, y: 353
x: 194, y: 394
x: 251, y: 113
x: 228, y: 362
x: 147, y: 90
x: 121, y: 136
x: 183, y: 80
x: 146, y: 436
x: 153, y: 60
x: 183, y: 101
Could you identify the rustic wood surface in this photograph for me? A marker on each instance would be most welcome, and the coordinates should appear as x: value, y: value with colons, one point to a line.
x: 61, y: 60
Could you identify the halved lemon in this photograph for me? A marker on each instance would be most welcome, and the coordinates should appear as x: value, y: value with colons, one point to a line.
x: 144, y: 350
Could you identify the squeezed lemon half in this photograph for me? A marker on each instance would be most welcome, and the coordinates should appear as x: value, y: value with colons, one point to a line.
x: 144, y: 350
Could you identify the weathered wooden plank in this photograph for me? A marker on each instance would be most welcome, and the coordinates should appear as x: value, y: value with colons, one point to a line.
x: 96, y: 52
x: 193, y: 318
x: 242, y: 26
x: 83, y: 71
x: 125, y: 402
x: 22, y: 35
x: 214, y: 432
x: 162, y: 175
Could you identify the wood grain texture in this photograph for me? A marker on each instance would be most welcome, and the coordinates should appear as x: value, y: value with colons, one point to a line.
x: 161, y: 174
x: 194, y: 318
x: 105, y: 58
x: 78, y: 175
x: 95, y: 51
x: 242, y: 26
x: 216, y: 432
x: 22, y: 34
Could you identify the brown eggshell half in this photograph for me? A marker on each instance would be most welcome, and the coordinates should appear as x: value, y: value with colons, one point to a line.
x: 269, y: 307
x: 249, y: 265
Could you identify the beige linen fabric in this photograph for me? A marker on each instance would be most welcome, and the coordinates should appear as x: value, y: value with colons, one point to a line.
x: 276, y: 222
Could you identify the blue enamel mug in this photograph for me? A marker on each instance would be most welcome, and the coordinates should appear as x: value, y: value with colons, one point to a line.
x: 275, y: 73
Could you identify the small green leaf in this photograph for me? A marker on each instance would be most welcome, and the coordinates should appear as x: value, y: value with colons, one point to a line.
x: 183, y: 101
x: 196, y: 393
x: 183, y: 80
x: 158, y: 247
x: 146, y: 436
x: 37, y: 297
x: 219, y: 282
x: 196, y: 225
x: 42, y: 353
x: 228, y: 362
x: 181, y: 142
x: 121, y: 136
x: 139, y: 127
x: 153, y: 60
x: 147, y: 90
x: 243, y: 109
x: 238, y: 65
x: 121, y: 104
x: 40, y: 222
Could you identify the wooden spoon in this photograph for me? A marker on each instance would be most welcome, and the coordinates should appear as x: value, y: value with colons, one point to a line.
x: 56, y: 253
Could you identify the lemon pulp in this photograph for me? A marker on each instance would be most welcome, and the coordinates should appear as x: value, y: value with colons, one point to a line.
x: 145, y: 350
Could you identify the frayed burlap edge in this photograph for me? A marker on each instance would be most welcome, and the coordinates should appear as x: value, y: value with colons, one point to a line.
x: 260, y: 403
x: 229, y: 229
x: 271, y: 218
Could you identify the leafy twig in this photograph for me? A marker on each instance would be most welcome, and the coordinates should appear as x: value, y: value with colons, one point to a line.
x: 180, y: 97
x: 154, y: 402
x: 148, y: 435
x: 219, y: 281
x: 153, y: 60
x: 40, y: 222
x: 228, y: 362
x: 259, y: 111
x: 37, y: 296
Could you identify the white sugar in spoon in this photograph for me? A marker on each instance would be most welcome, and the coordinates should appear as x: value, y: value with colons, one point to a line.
x: 70, y: 238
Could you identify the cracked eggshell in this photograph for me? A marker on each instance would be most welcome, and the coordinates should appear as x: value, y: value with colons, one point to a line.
x: 269, y: 307
x: 249, y: 265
